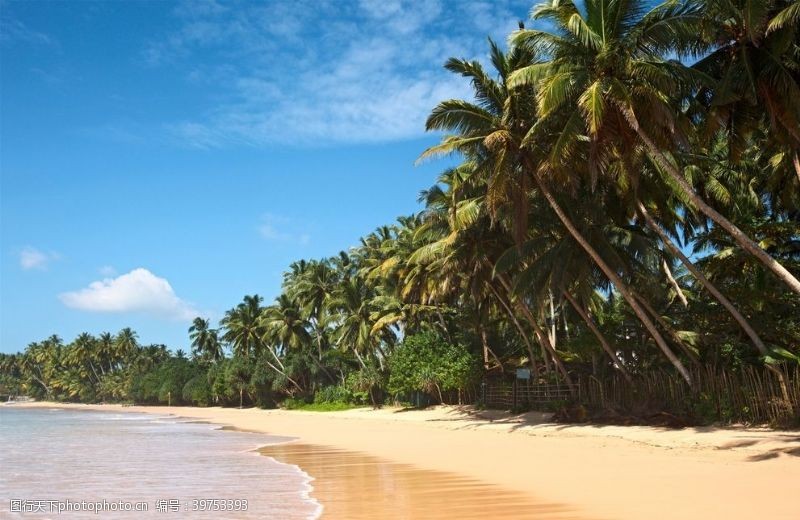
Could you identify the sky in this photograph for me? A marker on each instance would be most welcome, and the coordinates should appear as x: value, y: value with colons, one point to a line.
x: 160, y: 160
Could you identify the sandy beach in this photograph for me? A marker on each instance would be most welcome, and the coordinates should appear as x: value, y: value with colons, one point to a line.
x: 521, y: 466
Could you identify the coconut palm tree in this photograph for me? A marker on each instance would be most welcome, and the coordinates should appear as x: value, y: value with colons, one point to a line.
x: 126, y: 342
x: 754, y: 59
x: 312, y: 288
x: 606, y: 77
x: 352, y: 302
x: 243, y: 327
x: 205, y: 341
x: 498, y: 130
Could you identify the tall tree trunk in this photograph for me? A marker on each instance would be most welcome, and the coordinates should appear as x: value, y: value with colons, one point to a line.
x: 615, y: 279
x: 552, y: 318
x: 319, y: 338
x: 711, y: 288
x: 741, y: 238
x: 796, y: 164
x: 284, y: 374
x: 618, y: 364
x: 360, y: 359
x: 522, y: 333
x: 667, y: 327
x: 545, y: 353
x: 487, y: 351
x: 674, y: 283
x: 382, y: 355
x: 540, y: 335
x: 485, y: 345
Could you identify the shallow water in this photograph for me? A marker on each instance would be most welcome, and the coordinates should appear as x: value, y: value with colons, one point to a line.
x: 59, y: 455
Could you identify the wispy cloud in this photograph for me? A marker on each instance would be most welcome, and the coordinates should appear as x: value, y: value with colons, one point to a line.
x: 136, y: 291
x: 282, y: 229
x: 13, y: 30
x: 324, y: 72
x: 32, y: 258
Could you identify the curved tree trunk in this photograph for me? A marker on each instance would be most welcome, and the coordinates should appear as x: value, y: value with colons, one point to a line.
x: 553, y: 337
x: 711, y: 288
x: 618, y: 364
x: 487, y: 351
x: 519, y: 327
x: 485, y: 345
x: 615, y: 279
x: 540, y: 334
x: 674, y: 283
x: 741, y: 238
x: 796, y: 164
x: 667, y: 327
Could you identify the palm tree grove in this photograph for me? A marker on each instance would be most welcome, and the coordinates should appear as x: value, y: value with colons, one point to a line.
x: 615, y: 229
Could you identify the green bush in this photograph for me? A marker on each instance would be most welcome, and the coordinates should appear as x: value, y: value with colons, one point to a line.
x: 293, y: 403
x: 426, y: 362
x: 326, y: 406
x: 197, y: 391
x: 334, y: 394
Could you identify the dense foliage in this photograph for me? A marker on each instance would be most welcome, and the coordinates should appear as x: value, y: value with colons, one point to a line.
x: 626, y: 198
x: 426, y: 363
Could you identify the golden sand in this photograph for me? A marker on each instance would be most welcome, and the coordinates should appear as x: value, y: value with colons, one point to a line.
x: 580, y: 471
x: 354, y: 486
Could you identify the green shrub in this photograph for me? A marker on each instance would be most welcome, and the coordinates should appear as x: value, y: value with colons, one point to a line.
x: 293, y: 403
x: 334, y: 394
x: 426, y: 362
x: 197, y: 391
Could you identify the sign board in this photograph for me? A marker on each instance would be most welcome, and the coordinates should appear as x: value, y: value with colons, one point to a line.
x: 523, y: 373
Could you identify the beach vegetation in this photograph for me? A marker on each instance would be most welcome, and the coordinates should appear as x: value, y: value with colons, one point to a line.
x: 619, y: 214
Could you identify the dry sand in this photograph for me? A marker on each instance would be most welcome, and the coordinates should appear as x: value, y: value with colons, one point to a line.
x: 415, y: 464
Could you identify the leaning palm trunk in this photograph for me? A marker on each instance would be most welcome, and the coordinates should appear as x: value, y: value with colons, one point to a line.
x: 540, y: 334
x: 615, y: 279
x: 360, y: 359
x: 721, y: 298
x: 796, y: 164
x: 553, y: 338
x: 282, y: 369
x: 618, y: 364
x: 674, y: 283
x: 692, y: 355
x: 745, y: 241
x: 487, y: 351
x: 519, y: 327
x: 284, y: 374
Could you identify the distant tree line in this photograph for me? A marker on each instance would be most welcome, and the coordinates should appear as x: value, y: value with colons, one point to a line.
x: 626, y: 200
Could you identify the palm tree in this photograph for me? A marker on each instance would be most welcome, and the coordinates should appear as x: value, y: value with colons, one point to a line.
x: 606, y: 77
x: 205, y: 341
x: 83, y: 352
x: 126, y: 342
x: 312, y: 288
x: 355, y: 318
x: 284, y: 327
x: 243, y: 329
x: 498, y: 129
x: 754, y: 61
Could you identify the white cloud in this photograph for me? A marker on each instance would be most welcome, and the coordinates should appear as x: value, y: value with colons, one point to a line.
x: 32, y: 258
x: 326, y: 72
x: 136, y: 291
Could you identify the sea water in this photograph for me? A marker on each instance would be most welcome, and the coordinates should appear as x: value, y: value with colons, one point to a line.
x: 91, y: 464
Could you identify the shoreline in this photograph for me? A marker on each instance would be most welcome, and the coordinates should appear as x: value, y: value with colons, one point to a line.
x: 590, y: 471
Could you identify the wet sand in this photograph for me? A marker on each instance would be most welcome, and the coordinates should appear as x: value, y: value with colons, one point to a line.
x: 356, y: 486
x: 548, y: 470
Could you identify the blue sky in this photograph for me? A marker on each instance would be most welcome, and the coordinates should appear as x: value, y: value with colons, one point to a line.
x: 160, y: 160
